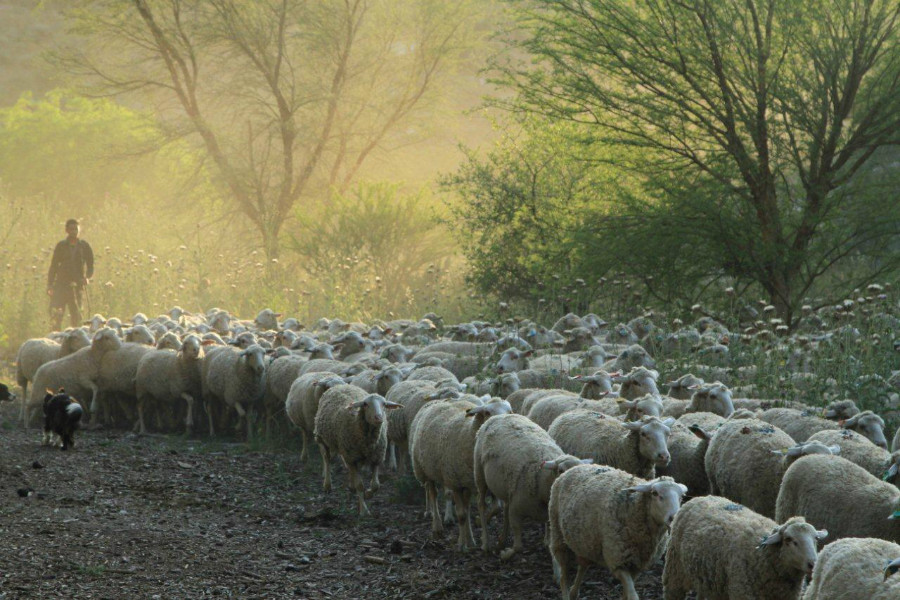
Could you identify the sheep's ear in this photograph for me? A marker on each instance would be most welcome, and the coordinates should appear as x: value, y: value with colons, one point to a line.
x: 476, y: 410
x: 835, y: 449
x: 576, y: 378
x: 683, y: 488
x: 891, y: 472
x: 392, y: 405
x: 355, y: 405
x: 548, y: 464
x: 891, y: 567
x: 821, y: 534
x: 629, y: 404
x: 772, y: 539
x: 642, y: 488
x: 587, y: 461
x: 633, y: 425
x: 851, y: 422
x: 668, y: 422
x: 699, y: 432
x: 527, y: 353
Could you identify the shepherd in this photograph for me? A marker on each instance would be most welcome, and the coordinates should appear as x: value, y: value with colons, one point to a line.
x: 71, y: 269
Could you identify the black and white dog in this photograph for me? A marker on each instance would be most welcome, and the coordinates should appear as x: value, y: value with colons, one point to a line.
x: 62, y: 414
x: 6, y: 395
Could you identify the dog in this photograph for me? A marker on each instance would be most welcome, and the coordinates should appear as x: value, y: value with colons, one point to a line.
x: 6, y: 395
x: 62, y: 415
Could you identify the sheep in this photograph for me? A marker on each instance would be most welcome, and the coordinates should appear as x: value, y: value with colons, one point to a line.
x: 712, y: 397
x: 833, y: 492
x: 612, y: 518
x: 513, y: 359
x: 267, y: 319
x: 523, y: 400
x: 724, y: 550
x: 351, y: 423
x: 579, y: 339
x: 441, y: 445
x: 412, y: 399
x: 631, y: 357
x: 378, y: 382
x: 462, y: 348
x: 594, y: 387
x: 516, y: 462
x: 548, y: 409
x: 636, y: 447
x: 800, y: 425
x: 76, y: 372
x: 62, y: 414
x: 638, y: 382
x: 280, y: 375
x: 840, y: 410
x: 687, y: 444
x: 166, y: 376
x: 593, y: 358
x: 855, y: 568
x: 235, y: 377
x: 302, y: 402
x: 569, y: 321
x: 683, y: 387
x: 560, y: 362
x: 169, y: 341
x: 635, y: 410
x: 351, y: 345
x: 117, y: 374
x: 396, y: 353
x: 431, y: 374
x: 36, y: 352
x: 741, y: 465
x: 139, y: 334
x: 859, y: 450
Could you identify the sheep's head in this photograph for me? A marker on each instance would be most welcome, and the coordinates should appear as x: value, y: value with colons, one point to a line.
x: 594, y: 356
x: 505, y: 384
x: 396, y: 353
x: 806, y: 448
x: 491, y: 408
x: 639, y: 382
x: 74, y: 340
x: 105, y: 340
x: 512, y: 360
x: 869, y: 425
x: 267, y: 319
x: 96, y: 322
x: 320, y: 386
x: 192, y: 348
x: 305, y: 343
x: 634, y: 356
x: 665, y: 496
x: 840, y: 410
x: 594, y: 386
x: 254, y: 358
x: 714, y: 398
x: 645, y: 406
x: 653, y: 435
x: 243, y: 340
x: 387, y: 378
x: 795, y: 543
x: 563, y: 463
x: 139, y: 334
x: 372, y: 408
x: 322, y: 350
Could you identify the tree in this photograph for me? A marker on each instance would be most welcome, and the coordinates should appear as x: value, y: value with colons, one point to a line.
x: 286, y: 97
x: 758, y: 125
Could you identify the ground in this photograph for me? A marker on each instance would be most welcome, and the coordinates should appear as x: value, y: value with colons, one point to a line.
x: 165, y: 517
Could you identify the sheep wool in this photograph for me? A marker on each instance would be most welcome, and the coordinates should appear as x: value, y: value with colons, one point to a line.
x: 855, y: 568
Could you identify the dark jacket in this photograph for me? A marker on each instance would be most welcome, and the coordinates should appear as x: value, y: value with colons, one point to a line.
x: 70, y: 264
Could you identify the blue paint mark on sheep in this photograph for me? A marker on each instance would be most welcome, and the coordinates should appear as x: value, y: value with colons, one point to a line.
x: 733, y: 507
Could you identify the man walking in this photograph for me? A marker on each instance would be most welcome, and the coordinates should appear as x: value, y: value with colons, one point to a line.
x: 71, y: 268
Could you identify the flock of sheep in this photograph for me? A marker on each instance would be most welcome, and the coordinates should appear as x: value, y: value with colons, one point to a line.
x: 564, y: 426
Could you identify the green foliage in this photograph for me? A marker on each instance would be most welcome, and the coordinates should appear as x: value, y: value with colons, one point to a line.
x: 755, y: 125
x: 373, y: 251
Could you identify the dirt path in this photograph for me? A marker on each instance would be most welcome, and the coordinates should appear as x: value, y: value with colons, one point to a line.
x: 163, y: 517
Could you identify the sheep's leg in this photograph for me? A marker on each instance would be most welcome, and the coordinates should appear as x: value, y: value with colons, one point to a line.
x: 189, y: 420
x: 375, y: 484
x: 560, y: 565
x: 24, y: 408
x: 627, y: 584
x: 515, y: 525
x: 392, y: 457
x: 209, y: 417
x: 140, y: 422
x: 461, y: 502
x: 449, y: 499
x: 45, y: 441
x: 304, y: 454
x: 579, y: 579
x: 467, y: 503
x: 504, y: 531
x: 357, y: 480
x: 482, y: 513
x: 95, y: 404
x: 437, y: 528
x: 326, y: 467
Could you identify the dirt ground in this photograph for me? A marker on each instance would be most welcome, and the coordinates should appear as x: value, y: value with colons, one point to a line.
x: 165, y: 517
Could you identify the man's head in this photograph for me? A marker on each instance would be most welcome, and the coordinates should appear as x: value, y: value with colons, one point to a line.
x: 72, y: 229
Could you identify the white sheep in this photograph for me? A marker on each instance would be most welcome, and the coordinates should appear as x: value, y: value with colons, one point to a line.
x: 140, y: 334
x: 36, y: 352
x: 711, y: 397
x: 687, y: 445
x: 545, y: 411
x: 116, y: 377
x: 167, y: 376
x: 636, y: 447
x: 800, y: 425
x: 640, y: 381
x: 859, y: 450
x: 77, y: 372
x: 516, y: 462
x: 169, y: 341
x: 683, y: 387
x: 741, y: 463
x: 721, y: 549
x: 267, y: 319
x: 832, y: 492
x: 441, y: 445
x: 234, y: 377
x: 856, y: 568
x: 524, y: 399
x: 352, y: 424
x: 609, y: 517
x: 302, y: 402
